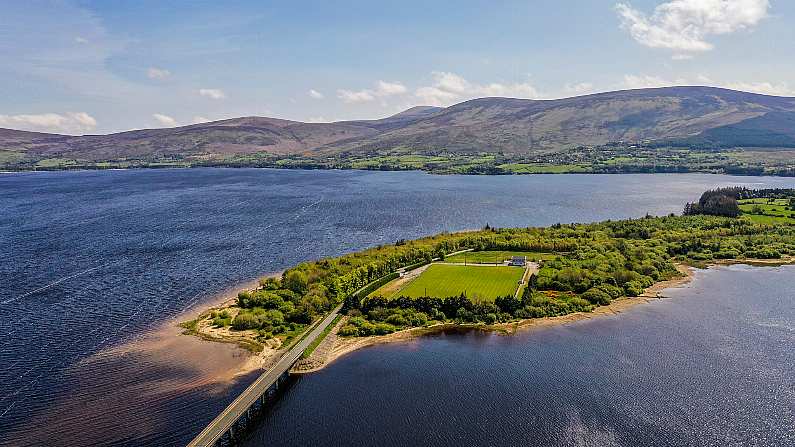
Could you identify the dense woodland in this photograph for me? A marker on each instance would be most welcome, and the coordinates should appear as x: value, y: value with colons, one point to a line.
x: 595, y: 264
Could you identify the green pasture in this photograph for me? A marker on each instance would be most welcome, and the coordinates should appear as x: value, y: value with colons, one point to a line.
x: 767, y: 211
x: 479, y: 283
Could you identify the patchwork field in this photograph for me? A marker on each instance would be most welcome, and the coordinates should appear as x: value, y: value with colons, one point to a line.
x: 479, y: 283
x: 767, y: 211
x: 492, y: 257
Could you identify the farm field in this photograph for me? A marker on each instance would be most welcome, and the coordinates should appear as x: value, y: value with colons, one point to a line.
x: 479, y: 283
x: 488, y: 257
x: 767, y: 211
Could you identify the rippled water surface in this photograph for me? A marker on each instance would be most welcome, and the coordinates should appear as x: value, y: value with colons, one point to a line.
x: 92, y: 260
x: 712, y: 366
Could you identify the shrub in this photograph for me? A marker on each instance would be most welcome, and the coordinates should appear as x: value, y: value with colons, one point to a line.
x: 727, y: 254
x: 396, y: 319
x: 243, y: 299
x: 531, y: 312
x: 379, y: 314
x: 269, y: 283
x: 580, y: 305
x: 300, y: 315
x: 245, y: 320
x: 597, y: 296
x: 383, y: 329
x: 418, y: 319
x: 367, y: 328
x: 633, y: 288
x: 613, y: 291
x: 349, y: 330
x: 295, y: 281
x: 221, y: 322
x: 464, y: 315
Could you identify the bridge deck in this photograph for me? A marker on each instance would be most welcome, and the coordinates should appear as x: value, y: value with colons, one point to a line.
x: 224, y: 421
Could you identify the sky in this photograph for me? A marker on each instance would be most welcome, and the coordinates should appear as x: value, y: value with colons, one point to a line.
x: 80, y: 67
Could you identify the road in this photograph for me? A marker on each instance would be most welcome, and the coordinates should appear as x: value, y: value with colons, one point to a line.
x: 221, y: 424
x: 531, y: 269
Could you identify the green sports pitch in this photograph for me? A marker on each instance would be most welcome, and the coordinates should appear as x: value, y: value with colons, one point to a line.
x: 478, y: 283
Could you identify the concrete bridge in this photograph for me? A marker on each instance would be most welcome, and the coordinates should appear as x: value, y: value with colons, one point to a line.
x: 226, y: 426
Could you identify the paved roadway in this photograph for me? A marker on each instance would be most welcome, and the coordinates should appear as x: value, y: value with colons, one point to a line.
x: 221, y: 424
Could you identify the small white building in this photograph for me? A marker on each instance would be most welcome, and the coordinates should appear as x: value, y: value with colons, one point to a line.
x: 518, y: 261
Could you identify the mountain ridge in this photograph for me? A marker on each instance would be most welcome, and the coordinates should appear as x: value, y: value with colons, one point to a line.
x: 689, y: 115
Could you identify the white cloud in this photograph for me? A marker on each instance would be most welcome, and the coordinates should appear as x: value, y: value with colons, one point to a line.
x: 70, y: 55
x: 165, y: 120
x: 69, y: 123
x: 448, y: 88
x: 314, y: 94
x: 213, y: 93
x: 650, y: 81
x: 434, y: 96
x: 200, y: 120
x: 349, y: 96
x: 581, y: 88
x: 157, y: 73
x: 765, y: 88
x: 382, y: 89
x: 685, y: 25
x: 762, y: 87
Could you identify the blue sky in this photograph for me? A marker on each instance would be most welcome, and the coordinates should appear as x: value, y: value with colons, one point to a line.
x: 103, y: 66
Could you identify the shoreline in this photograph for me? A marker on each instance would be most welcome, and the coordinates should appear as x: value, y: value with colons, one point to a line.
x: 334, y: 347
x: 88, y: 168
x: 254, y: 361
x: 347, y: 345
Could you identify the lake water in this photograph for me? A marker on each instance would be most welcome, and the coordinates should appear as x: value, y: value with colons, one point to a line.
x: 711, y: 366
x: 93, y: 261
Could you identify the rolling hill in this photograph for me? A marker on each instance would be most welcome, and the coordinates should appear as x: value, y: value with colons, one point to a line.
x: 704, y: 116
x: 520, y: 126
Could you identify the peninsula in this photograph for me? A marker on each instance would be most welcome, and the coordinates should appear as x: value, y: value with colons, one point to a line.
x: 500, y: 279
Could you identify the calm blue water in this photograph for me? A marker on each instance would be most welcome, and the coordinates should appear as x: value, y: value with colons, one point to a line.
x: 89, y: 260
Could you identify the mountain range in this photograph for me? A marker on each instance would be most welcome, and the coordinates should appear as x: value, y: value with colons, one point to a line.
x: 706, y: 116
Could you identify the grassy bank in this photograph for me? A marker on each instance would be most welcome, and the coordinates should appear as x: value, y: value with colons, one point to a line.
x: 311, y: 348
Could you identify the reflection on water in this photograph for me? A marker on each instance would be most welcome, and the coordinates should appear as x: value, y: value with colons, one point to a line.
x: 90, y: 260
